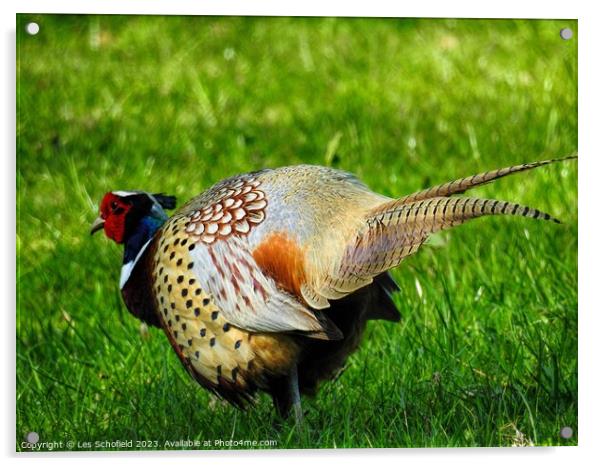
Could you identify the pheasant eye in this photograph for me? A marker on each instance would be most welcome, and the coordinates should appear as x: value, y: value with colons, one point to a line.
x: 113, y: 206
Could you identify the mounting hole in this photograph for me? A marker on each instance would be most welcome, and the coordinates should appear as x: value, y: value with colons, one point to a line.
x: 566, y: 432
x: 566, y: 33
x: 32, y: 28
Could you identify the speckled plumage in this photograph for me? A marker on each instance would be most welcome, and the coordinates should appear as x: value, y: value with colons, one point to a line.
x: 270, y: 276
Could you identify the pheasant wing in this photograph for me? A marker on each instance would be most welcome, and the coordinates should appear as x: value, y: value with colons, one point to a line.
x: 207, y: 242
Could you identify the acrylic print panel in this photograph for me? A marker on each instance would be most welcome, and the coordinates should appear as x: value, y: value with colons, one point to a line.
x: 195, y: 325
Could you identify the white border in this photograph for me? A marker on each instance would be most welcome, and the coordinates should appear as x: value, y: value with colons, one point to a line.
x: 590, y: 309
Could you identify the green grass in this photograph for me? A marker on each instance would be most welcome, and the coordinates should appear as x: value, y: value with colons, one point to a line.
x: 486, y: 353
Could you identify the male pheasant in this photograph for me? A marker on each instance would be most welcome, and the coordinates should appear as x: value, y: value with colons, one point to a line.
x: 266, y: 280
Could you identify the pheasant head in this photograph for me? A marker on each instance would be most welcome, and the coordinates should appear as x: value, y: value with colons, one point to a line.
x: 132, y: 218
x: 125, y: 213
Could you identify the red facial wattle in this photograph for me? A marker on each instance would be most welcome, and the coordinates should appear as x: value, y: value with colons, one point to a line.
x: 114, y: 210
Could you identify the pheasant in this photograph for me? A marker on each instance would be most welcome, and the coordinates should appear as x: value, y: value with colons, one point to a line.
x: 266, y: 280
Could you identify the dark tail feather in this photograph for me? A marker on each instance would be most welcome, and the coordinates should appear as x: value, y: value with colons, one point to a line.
x: 385, y: 308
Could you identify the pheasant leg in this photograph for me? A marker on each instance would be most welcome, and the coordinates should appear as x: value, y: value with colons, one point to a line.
x: 293, y: 382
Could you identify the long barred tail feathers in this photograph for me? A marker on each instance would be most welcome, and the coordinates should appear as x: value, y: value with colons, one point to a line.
x: 437, y: 213
x: 397, y: 232
x: 397, y: 228
x: 463, y: 184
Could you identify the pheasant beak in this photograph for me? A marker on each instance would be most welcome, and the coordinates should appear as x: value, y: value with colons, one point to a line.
x: 98, y: 224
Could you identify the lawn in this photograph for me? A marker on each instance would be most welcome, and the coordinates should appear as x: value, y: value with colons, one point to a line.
x: 486, y: 353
